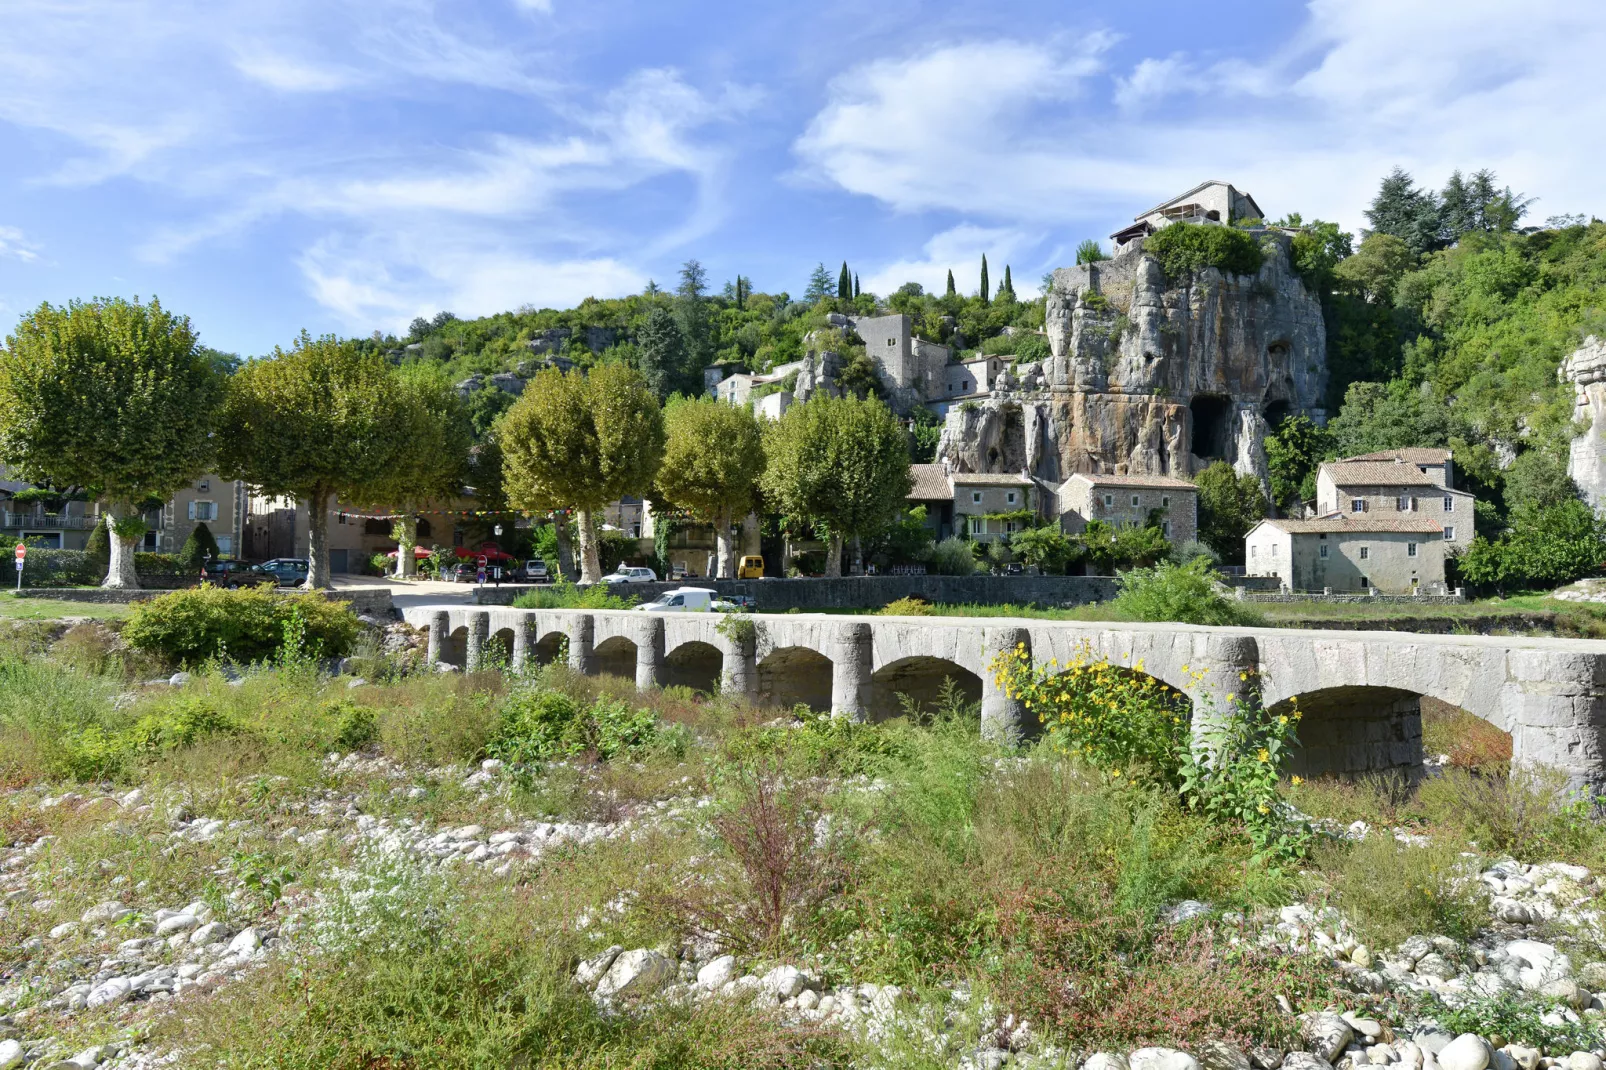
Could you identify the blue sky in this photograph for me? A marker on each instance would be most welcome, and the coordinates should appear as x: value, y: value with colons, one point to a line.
x: 345, y: 166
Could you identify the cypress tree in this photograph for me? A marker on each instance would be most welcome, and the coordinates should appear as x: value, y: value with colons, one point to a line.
x: 844, y: 283
x: 1008, y: 287
x: 197, y: 547
x: 855, y: 284
x: 99, y: 548
x: 984, y: 287
x: 950, y: 282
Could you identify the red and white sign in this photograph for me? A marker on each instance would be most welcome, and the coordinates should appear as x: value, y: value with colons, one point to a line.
x: 22, y: 551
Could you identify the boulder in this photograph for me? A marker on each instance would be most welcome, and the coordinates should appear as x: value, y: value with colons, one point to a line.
x: 1465, y: 1052
x: 110, y: 993
x: 637, y: 973
x: 1219, y: 1055
x: 1325, y: 1034
x: 1105, y: 1060
x: 786, y: 981
x: 718, y: 973
x: 592, y: 970
x: 1304, y: 1060
x: 1161, y: 1059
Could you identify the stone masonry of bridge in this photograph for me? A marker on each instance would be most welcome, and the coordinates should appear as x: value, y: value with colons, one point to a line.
x: 1360, y: 691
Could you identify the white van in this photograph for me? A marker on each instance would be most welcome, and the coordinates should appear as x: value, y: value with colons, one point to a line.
x: 681, y: 600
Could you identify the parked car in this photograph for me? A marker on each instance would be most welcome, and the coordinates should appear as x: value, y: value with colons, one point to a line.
x: 733, y: 603
x: 535, y: 571
x: 681, y: 600
x: 631, y: 574
x: 231, y: 574
x: 1014, y: 568
x: 462, y: 572
x: 677, y: 572
x: 284, y: 571
x: 750, y: 567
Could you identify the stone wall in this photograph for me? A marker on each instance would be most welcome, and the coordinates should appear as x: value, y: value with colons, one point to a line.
x: 872, y: 592
x: 374, y: 601
x: 1586, y: 463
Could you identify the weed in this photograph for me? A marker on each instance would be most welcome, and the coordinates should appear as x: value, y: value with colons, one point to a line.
x: 1390, y: 890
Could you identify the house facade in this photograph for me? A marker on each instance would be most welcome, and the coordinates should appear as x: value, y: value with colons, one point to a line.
x: 1413, y: 483
x: 1129, y: 501
x: 1212, y: 201
x: 1355, y: 553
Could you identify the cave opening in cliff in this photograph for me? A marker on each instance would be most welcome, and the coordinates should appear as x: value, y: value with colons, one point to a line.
x: 1212, y: 426
x: 1275, y: 413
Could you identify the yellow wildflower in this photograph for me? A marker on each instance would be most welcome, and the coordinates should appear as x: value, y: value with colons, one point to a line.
x: 1264, y: 755
x: 1297, y: 781
x: 1263, y: 808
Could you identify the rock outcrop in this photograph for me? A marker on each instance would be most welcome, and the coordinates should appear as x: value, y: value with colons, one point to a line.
x: 1586, y: 462
x: 1153, y: 376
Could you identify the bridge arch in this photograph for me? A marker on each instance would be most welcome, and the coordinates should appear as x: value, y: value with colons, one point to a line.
x: 616, y: 656
x: 694, y: 664
x: 548, y: 648
x: 922, y: 679
x: 1351, y: 731
x: 454, y: 646
x: 498, y: 649
x: 789, y: 675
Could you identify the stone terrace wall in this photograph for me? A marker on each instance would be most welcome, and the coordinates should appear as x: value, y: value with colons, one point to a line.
x: 870, y: 592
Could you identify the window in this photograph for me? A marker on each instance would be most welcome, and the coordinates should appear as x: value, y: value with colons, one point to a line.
x: 1322, y: 551
x: 975, y: 497
x: 1165, y: 528
x: 1109, y: 500
x: 1357, y: 505
x: 1134, y: 501
x: 203, y: 510
x: 1410, y: 549
x: 1405, y: 504
x: 1365, y: 582
x: 1365, y: 553
x: 204, y: 485
x: 225, y: 544
x: 1165, y: 501
x: 1449, y: 532
x: 892, y: 343
x: 1009, y: 527
x: 978, y: 526
x: 1010, y: 497
x: 1449, y: 504
x: 1254, y: 551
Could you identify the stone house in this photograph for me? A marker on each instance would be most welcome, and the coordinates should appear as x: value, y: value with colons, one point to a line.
x: 1129, y: 501
x: 932, y: 489
x: 1415, y: 482
x: 1392, y: 554
x: 983, y: 503
x: 1211, y: 201
x: 220, y: 504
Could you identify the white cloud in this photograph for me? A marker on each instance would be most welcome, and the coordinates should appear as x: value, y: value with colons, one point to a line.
x: 292, y: 75
x: 959, y: 249
x: 542, y: 6
x: 1022, y: 132
x: 14, y: 245
x: 385, y: 283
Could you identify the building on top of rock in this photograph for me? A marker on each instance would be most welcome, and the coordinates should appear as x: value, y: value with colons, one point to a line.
x: 1211, y: 201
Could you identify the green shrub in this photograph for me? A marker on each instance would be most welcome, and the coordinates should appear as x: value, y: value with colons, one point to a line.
x: 541, y: 725
x: 198, y: 549
x: 1185, y: 593
x: 159, y: 565
x: 59, y: 568
x: 246, y: 625
x: 180, y: 724
x: 953, y: 557
x: 99, y: 548
x: 566, y: 595
x: 908, y: 606
x: 355, y: 726
x: 1390, y: 890
x: 1185, y: 248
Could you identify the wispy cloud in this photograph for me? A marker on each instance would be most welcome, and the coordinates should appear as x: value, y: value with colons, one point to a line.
x: 14, y: 245
x: 293, y: 75
x: 959, y: 250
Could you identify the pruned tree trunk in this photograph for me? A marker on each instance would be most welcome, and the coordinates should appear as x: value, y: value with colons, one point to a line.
x: 406, y: 532
x: 833, y: 556
x: 560, y: 527
x: 318, y: 541
x: 120, y: 574
x: 722, y: 540
x: 590, y: 567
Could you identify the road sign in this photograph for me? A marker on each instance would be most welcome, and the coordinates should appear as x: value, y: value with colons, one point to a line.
x: 22, y: 552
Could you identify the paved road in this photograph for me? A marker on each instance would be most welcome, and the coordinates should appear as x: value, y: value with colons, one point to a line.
x: 412, y: 593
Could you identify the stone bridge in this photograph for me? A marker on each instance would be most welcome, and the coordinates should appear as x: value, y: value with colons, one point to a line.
x: 1360, y: 691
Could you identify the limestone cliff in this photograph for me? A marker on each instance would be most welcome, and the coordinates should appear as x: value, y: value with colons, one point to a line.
x: 1153, y: 376
x: 1586, y: 463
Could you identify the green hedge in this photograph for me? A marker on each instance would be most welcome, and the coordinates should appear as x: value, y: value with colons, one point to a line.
x: 245, y: 625
x: 1185, y: 248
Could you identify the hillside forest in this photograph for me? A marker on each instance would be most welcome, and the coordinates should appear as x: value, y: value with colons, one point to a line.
x: 1447, y: 319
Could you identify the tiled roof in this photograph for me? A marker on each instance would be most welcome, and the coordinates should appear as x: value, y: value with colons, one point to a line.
x: 1356, y: 525
x: 1379, y: 473
x: 1410, y: 455
x: 999, y: 479
x: 1104, y: 479
x: 930, y: 483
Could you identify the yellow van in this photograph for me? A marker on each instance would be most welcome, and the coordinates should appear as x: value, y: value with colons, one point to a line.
x: 750, y: 567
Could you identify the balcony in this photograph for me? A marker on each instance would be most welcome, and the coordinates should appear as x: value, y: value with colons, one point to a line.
x: 50, y: 521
